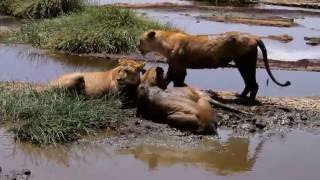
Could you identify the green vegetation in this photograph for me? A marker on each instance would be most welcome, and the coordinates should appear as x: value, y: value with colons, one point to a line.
x: 36, y: 9
x: 94, y: 30
x: 55, y: 116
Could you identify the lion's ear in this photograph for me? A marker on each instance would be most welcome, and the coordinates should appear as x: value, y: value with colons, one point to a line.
x: 151, y: 35
x: 121, y: 60
x: 143, y: 64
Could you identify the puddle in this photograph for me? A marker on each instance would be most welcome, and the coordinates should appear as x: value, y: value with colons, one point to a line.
x: 295, y: 50
x: 291, y: 155
x: 22, y: 63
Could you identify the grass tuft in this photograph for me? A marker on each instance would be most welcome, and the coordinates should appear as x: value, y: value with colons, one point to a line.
x: 95, y: 30
x: 36, y: 9
x: 56, y: 116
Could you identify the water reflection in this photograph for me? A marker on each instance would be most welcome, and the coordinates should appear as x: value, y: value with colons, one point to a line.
x: 22, y: 63
x: 224, y: 158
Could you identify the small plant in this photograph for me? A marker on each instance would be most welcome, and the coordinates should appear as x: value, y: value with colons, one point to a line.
x: 37, y: 9
x: 55, y: 116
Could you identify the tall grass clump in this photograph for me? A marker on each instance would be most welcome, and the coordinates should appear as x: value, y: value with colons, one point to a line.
x: 55, y: 116
x: 36, y: 9
x: 95, y: 30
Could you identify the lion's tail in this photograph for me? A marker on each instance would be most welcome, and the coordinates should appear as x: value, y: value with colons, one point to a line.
x: 265, y: 60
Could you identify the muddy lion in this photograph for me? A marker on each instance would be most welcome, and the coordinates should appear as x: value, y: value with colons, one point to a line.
x: 187, y: 51
x: 186, y: 112
x: 124, y: 77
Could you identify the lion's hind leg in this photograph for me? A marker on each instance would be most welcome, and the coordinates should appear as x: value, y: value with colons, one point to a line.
x: 72, y: 82
x: 247, y: 68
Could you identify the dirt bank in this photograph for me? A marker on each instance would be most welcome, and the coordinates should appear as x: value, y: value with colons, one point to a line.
x: 314, y: 4
x: 225, y: 9
x: 267, y: 21
x: 272, y: 115
x: 312, y: 41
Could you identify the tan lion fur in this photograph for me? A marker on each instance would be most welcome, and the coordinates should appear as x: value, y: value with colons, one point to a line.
x: 173, y: 106
x: 187, y: 51
x: 99, y: 83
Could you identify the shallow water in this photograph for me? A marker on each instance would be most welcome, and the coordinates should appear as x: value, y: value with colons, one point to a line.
x: 22, y: 63
x: 287, y: 156
x: 302, y: 83
x: 295, y: 50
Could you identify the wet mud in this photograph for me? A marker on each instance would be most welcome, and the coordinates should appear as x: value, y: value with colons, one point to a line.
x: 312, y: 41
x: 269, y: 21
x: 314, y: 4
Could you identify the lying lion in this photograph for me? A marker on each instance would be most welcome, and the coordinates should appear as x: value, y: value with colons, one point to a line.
x: 93, y: 84
x: 182, y: 110
x: 186, y: 51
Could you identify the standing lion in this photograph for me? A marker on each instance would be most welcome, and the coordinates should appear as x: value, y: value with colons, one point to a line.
x: 186, y: 51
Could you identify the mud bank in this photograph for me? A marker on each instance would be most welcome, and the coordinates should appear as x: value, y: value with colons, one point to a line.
x: 294, y: 3
x: 312, y: 41
x: 269, y: 21
x: 225, y: 9
x: 267, y: 114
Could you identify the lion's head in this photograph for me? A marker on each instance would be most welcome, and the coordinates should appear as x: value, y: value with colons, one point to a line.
x: 148, y: 42
x: 138, y: 66
x: 127, y: 75
x: 154, y: 76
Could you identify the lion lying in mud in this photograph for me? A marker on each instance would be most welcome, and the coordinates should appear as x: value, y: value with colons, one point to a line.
x: 188, y: 111
x: 186, y: 51
x: 126, y: 76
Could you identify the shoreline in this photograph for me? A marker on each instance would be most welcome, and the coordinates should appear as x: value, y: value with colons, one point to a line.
x: 308, y: 65
x: 272, y: 113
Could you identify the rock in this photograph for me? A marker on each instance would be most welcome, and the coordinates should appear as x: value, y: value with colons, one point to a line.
x: 26, y: 172
x: 303, y: 117
x: 137, y: 123
x: 246, y: 127
x: 225, y: 117
x: 285, y: 121
x: 260, y: 124
x: 252, y: 130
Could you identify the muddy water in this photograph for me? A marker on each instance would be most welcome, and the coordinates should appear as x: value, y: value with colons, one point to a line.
x: 286, y: 156
x: 22, y: 63
x: 295, y: 50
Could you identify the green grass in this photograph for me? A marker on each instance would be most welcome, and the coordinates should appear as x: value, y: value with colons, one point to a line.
x: 36, y: 9
x: 95, y: 30
x: 55, y: 116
